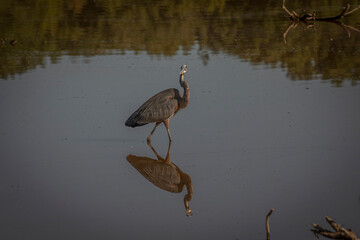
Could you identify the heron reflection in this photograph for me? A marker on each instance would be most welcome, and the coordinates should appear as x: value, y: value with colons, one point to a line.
x: 164, y: 174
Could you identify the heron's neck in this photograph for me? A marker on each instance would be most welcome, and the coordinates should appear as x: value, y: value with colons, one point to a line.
x: 185, y: 99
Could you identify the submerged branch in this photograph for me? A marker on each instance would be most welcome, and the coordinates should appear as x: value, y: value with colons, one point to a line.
x: 339, y: 232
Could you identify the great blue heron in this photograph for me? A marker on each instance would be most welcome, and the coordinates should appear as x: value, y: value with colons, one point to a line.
x: 161, y: 107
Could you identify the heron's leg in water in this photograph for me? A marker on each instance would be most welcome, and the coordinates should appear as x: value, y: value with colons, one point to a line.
x: 167, y: 158
x: 166, y: 122
x: 149, y: 137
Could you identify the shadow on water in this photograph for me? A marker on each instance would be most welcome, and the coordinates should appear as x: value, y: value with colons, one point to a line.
x: 164, y: 174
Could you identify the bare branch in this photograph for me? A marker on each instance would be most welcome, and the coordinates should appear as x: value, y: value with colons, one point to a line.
x: 312, y: 16
x: 333, y: 224
x: 340, y: 232
x: 292, y: 15
x: 268, y: 225
x: 341, y: 15
x: 350, y: 12
x: 295, y: 14
x: 346, y: 8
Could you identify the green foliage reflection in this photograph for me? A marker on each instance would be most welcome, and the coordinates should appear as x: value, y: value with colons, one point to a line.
x: 251, y: 30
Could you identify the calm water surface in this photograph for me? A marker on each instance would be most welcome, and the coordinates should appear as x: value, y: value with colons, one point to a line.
x: 273, y: 120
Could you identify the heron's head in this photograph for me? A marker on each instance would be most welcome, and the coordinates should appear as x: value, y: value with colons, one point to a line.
x: 183, y: 69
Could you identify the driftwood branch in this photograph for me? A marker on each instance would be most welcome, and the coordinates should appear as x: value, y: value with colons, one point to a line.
x: 11, y: 41
x: 350, y: 12
x: 312, y: 16
x: 339, y: 232
x: 291, y: 14
x: 268, y: 225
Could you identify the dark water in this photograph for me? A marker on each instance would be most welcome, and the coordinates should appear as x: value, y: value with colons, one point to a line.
x: 273, y: 120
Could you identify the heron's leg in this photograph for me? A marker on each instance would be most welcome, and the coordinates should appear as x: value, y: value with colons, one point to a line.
x: 149, y: 137
x: 153, y: 149
x: 167, y: 159
x: 166, y: 123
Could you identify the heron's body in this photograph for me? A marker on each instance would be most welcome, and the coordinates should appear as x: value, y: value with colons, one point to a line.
x: 161, y: 107
x: 158, y: 108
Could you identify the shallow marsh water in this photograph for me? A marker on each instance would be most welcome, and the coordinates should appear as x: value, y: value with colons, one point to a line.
x: 271, y: 123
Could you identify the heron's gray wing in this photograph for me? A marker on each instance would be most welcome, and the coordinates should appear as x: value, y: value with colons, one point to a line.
x: 157, y: 109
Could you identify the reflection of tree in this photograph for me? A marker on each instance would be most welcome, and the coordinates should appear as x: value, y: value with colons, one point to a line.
x: 295, y: 24
x: 239, y: 28
x: 333, y: 59
x: 307, y: 20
